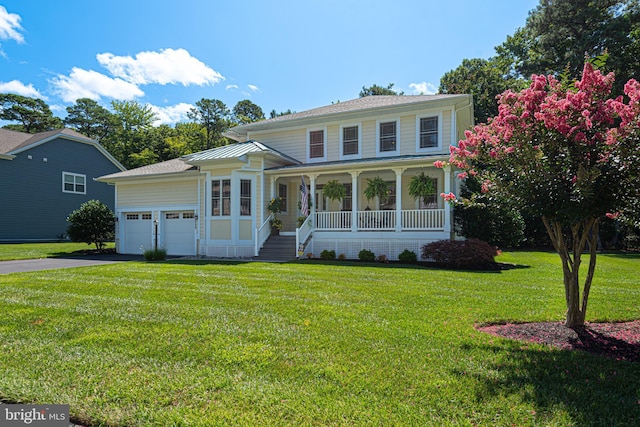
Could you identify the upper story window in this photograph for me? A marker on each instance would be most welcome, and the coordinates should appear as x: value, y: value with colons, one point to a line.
x: 388, y: 137
x: 316, y: 144
x: 221, y: 197
x: 74, y: 183
x: 350, y: 140
x: 428, y: 136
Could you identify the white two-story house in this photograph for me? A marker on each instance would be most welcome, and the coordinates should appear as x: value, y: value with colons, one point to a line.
x: 214, y: 203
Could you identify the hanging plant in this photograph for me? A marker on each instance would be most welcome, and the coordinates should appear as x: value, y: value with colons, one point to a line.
x: 421, y: 187
x: 334, y: 190
x: 377, y: 187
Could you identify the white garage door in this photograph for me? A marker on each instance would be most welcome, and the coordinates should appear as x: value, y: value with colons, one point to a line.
x: 137, y: 232
x: 179, y: 231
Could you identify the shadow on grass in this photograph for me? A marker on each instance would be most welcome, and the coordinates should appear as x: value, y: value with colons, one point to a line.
x: 497, y: 268
x: 592, y: 390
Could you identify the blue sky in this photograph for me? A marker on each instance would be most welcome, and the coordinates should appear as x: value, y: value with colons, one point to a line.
x: 281, y: 55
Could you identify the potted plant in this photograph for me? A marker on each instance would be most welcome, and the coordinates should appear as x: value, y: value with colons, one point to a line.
x: 275, y: 207
x: 334, y: 190
x: 421, y: 187
x: 377, y: 187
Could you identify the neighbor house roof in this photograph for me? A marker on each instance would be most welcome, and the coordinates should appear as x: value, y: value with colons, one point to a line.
x: 344, y: 110
x: 12, y: 142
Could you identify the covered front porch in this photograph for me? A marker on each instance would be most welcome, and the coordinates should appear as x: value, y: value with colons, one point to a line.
x: 355, y: 221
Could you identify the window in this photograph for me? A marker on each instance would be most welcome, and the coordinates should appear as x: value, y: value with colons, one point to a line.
x: 347, y: 202
x: 282, y: 194
x: 432, y: 200
x: 146, y: 216
x: 390, y: 203
x: 132, y: 217
x: 172, y: 215
x: 316, y: 144
x: 74, y: 183
x: 245, y: 197
x: 428, y: 132
x: 188, y: 215
x: 349, y: 140
x: 388, y: 136
x: 221, y: 197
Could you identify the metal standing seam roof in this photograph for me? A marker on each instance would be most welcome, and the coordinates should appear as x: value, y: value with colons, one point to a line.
x: 234, y: 151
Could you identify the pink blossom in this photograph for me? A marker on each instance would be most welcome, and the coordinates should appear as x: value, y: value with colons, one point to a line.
x: 462, y: 175
x: 439, y: 164
x: 450, y: 198
x: 614, y: 215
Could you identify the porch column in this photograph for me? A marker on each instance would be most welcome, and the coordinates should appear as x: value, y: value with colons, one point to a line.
x: 312, y: 198
x: 273, y: 188
x: 399, y: 172
x: 354, y: 200
x: 447, y: 207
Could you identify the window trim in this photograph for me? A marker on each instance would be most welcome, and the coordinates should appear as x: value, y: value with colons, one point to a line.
x: 324, y: 145
x: 357, y: 155
x: 379, y: 152
x: 75, y: 184
x: 242, y: 197
x: 438, y: 146
x: 221, y: 179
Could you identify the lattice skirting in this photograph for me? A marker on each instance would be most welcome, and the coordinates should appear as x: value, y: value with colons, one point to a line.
x: 352, y: 247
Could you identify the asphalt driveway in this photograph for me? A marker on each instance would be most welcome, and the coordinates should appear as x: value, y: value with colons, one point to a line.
x: 24, y: 265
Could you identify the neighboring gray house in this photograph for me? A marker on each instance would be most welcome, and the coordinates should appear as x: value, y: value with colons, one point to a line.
x: 44, y: 177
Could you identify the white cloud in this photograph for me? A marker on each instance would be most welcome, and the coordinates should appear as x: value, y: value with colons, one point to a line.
x: 168, y: 66
x: 10, y: 26
x: 253, y: 88
x: 15, y: 86
x: 230, y: 87
x: 91, y: 84
x: 172, y: 114
x: 423, y: 88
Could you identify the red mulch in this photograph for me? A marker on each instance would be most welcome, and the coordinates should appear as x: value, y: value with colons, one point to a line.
x: 620, y: 341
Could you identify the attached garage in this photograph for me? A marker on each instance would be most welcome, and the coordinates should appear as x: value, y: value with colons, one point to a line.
x: 179, y: 232
x: 138, y: 232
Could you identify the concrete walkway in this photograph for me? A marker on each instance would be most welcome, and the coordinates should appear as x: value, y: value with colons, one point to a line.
x: 24, y: 265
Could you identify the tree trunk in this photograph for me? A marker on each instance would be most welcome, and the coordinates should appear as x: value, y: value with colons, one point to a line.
x: 583, y: 233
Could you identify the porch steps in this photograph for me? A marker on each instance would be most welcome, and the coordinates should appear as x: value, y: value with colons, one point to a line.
x: 278, y: 248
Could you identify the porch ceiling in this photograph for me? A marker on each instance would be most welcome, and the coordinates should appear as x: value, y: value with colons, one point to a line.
x: 360, y: 164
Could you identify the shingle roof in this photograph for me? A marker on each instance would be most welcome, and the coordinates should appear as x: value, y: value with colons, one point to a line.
x: 168, y: 167
x: 11, y: 141
x: 352, y: 106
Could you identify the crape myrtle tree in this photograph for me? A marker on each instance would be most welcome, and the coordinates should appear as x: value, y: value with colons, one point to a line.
x: 565, y: 153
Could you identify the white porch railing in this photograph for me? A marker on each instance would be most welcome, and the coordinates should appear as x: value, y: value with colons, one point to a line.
x: 262, y: 234
x: 333, y: 220
x: 302, y: 234
x: 419, y: 219
x: 423, y: 219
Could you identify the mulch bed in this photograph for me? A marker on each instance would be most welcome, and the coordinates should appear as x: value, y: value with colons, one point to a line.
x: 620, y: 341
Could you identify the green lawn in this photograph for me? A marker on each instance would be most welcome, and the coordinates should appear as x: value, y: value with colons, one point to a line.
x: 41, y: 250
x: 181, y: 343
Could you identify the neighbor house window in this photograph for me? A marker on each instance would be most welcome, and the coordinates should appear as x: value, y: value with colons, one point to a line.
x: 74, y: 183
x: 432, y: 200
x: 245, y: 197
x: 388, y: 136
x: 282, y: 194
x: 350, y: 140
x: 428, y: 132
x: 316, y: 144
x: 221, y: 197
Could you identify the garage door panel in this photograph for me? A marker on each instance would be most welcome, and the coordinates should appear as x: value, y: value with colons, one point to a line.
x: 179, y: 232
x: 137, y: 232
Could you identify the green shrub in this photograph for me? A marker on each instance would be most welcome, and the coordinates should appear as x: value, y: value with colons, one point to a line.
x: 328, y: 255
x: 408, y: 257
x: 470, y: 254
x: 366, y: 255
x: 93, y: 223
x: 342, y: 257
x: 159, y: 254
